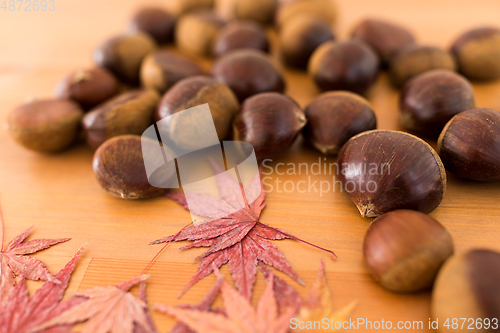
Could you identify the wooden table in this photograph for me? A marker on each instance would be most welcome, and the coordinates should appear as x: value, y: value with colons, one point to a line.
x: 60, y: 197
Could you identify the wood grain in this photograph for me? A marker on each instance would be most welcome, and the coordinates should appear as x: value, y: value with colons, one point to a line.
x: 59, y: 195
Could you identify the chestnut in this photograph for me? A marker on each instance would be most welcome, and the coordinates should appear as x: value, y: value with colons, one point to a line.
x: 123, y: 55
x: 46, y: 126
x: 195, y: 91
x: 404, y: 249
x: 388, y: 170
x: 416, y: 59
x: 261, y: 11
x: 88, y: 87
x: 349, y: 65
x: 325, y: 10
x: 161, y: 69
x: 467, y: 287
x: 248, y: 72
x: 300, y: 36
x: 334, y: 117
x: 429, y: 100
x: 470, y: 145
x: 241, y: 35
x: 119, y: 167
x: 196, y: 32
x: 477, y: 52
x: 384, y: 37
x: 127, y: 113
x: 182, y: 7
x: 270, y: 122
x: 156, y: 22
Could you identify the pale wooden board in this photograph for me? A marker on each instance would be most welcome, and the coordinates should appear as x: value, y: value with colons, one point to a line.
x: 59, y: 195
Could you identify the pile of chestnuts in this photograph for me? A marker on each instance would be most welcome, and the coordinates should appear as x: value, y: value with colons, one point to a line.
x: 137, y: 81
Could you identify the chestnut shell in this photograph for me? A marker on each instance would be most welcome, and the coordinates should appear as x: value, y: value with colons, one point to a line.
x: 248, y: 72
x: 470, y: 145
x: 429, y: 100
x: 414, y: 59
x: 404, y: 249
x: 156, y: 22
x: 477, y: 52
x: 270, y: 122
x: 467, y: 287
x: 384, y: 37
x: 127, y: 113
x: 88, y: 87
x: 406, y: 173
x: 119, y: 168
x: 161, y: 69
x: 334, y: 117
x: 47, y: 126
x: 349, y: 65
x: 240, y: 35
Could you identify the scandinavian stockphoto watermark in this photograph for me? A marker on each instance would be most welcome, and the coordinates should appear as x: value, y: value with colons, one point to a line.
x: 308, y: 181
x: 184, y: 149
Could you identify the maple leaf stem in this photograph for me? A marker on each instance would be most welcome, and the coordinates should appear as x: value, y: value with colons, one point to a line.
x: 298, y: 239
x: 3, y: 227
x: 163, y: 248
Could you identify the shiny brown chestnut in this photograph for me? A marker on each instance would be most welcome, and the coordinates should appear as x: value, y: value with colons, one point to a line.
x: 429, y: 100
x: 384, y: 37
x: 334, y: 117
x: 270, y: 122
x: 348, y: 65
x: 383, y: 171
x: 196, y: 32
x: 416, y: 59
x: 88, y: 87
x: 248, y: 72
x: 195, y: 91
x: 325, y: 10
x: 261, y: 11
x: 467, y: 287
x: 404, y: 250
x: 123, y: 55
x: 119, y: 167
x: 45, y: 126
x: 156, y: 22
x: 477, y: 52
x: 241, y: 35
x: 300, y: 36
x: 162, y: 69
x: 470, y: 145
x: 127, y: 113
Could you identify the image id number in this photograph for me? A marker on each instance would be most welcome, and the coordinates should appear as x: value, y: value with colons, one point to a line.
x: 28, y: 5
x: 471, y: 324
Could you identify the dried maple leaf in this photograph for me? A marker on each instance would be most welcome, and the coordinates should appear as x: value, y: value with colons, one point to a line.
x: 14, y: 261
x: 107, y: 309
x: 238, y: 238
x: 318, y: 304
x: 204, y: 305
x: 21, y: 313
x: 240, y: 316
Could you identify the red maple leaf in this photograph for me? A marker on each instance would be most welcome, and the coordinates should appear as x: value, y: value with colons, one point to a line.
x: 237, y: 238
x: 108, y: 309
x: 204, y: 305
x: 239, y: 317
x: 14, y: 261
x: 21, y: 313
x: 317, y: 306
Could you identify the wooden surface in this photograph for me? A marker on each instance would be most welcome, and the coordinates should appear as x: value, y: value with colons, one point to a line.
x: 60, y: 197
